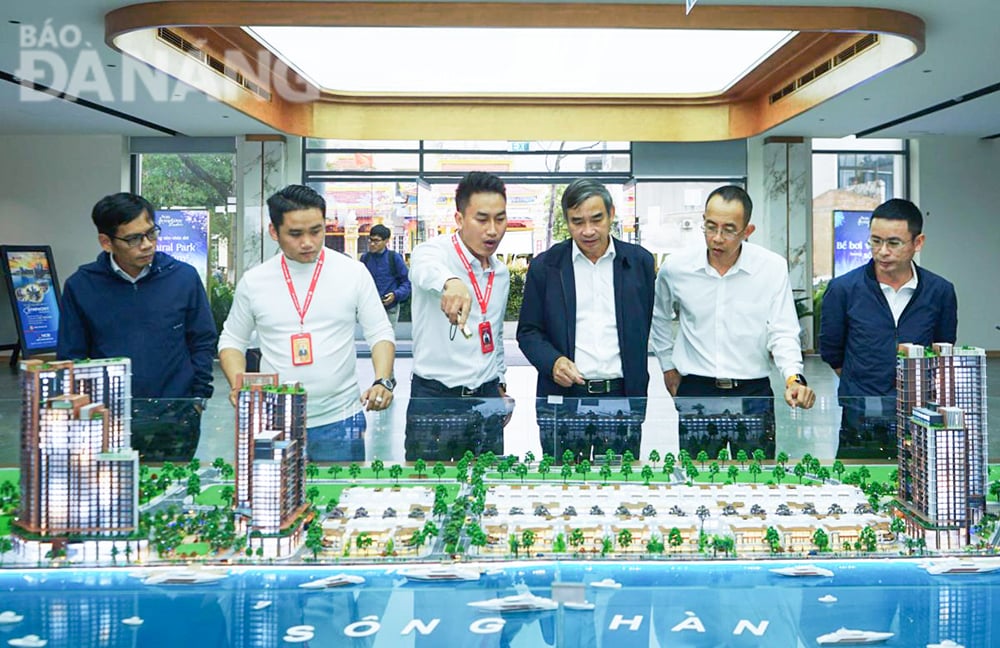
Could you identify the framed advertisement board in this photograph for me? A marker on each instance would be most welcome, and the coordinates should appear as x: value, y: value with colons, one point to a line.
x: 33, y: 287
x: 184, y: 235
x: 851, y: 249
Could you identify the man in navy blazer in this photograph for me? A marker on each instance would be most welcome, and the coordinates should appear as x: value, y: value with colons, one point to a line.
x: 584, y: 325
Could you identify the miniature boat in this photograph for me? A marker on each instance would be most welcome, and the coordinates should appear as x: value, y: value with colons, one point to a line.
x: 802, y: 570
x: 133, y: 621
x: 525, y: 602
x: 28, y: 641
x: 960, y: 566
x: 9, y: 616
x: 607, y: 583
x: 440, y: 573
x: 849, y: 637
x: 827, y: 598
x: 578, y: 605
x: 183, y: 577
x: 337, y: 580
x: 947, y: 643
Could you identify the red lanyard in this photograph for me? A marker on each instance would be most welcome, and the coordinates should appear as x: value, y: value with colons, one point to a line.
x: 312, y: 286
x: 483, y: 301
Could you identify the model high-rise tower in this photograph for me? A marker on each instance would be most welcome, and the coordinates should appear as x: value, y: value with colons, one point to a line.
x: 78, y: 474
x: 271, y: 456
x: 940, y: 458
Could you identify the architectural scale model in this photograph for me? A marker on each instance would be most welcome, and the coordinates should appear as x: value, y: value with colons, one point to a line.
x: 942, y: 439
x: 80, y: 483
x: 271, y: 463
x: 79, y: 474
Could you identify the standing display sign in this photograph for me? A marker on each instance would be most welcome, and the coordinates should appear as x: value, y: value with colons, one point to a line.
x: 851, y: 249
x: 34, y: 297
x: 184, y: 236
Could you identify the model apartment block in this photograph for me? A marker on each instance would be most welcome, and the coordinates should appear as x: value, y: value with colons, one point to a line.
x: 941, y: 431
x: 79, y: 474
x: 271, y: 458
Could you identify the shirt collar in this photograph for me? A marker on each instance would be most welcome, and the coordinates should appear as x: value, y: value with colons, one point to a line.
x: 471, y: 258
x: 744, y: 262
x: 911, y: 284
x: 608, y: 254
x: 117, y: 269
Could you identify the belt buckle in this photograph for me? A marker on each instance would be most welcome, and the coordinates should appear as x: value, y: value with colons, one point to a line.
x: 598, y: 386
x: 725, y: 383
x: 468, y: 392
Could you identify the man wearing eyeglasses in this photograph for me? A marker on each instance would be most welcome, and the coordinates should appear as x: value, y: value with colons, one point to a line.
x: 869, y: 311
x: 145, y: 305
x: 735, y: 313
x: 388, y: 269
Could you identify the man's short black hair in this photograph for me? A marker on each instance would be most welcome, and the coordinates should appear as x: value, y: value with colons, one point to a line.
x: 899, y: 209
x: 293, y: 198
x: 118, y: 209
x: 583, y: 189
x: 477, y: 182
x: 379, y: 231
x: 729, y: 193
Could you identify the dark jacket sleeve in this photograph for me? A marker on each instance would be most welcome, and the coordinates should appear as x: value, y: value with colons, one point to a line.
x: 403, y: 287
x: 946, y: 329
x: 532, y: 328
x: 833, y: 325
x: 202, y: 338
x: 74, y: 334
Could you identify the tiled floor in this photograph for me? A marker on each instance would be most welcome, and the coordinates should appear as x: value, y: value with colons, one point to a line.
x: 798, y: 432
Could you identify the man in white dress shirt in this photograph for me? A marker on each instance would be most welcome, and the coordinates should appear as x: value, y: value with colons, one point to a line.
x: 735, y: 314
x: 459, y: 299
x: 304, y: 304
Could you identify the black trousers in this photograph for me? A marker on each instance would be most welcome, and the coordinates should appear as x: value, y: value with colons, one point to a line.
x: 713, y: 418
x: 165, y: 430
x: 443, y: 422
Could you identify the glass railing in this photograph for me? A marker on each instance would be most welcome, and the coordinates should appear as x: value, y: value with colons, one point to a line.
x: 588, y: 428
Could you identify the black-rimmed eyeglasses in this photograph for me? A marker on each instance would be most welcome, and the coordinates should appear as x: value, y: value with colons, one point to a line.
x: 134, y: 240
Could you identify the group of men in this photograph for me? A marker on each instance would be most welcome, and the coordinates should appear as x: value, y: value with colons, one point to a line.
x: 593, y: 306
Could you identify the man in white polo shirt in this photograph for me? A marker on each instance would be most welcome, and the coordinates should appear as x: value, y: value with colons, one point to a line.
x: 459, y: 299
x: 304, y: 304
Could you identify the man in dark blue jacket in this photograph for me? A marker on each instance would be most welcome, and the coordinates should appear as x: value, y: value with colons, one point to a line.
x: 388, y: 269
x: 142, y: 304
x: 870, y: 311
x: 584, y: 325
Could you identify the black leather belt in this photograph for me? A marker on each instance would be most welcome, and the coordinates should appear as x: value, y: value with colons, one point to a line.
x: 725, y: 383
x: 488, y: 389
x: 603, y: 385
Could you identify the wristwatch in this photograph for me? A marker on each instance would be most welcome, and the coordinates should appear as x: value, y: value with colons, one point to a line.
x: 797, y: 378
x: 388, y: 383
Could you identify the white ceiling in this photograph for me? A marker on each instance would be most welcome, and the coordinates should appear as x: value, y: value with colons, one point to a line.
x: 962, y: 56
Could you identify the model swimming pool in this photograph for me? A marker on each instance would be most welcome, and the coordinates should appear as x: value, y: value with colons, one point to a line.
x: 640, y: 604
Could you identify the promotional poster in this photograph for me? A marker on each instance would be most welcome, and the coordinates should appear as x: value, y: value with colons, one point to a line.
x: 184, y: 236
x: 31, y: 281
x: 850, y: 240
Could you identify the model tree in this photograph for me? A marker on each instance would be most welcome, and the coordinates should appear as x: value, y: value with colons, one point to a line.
x: 773, y: 539
x: 674, y: 538
x: 654, y: 457
x: 395, y: 472
x: 566, y: 471
x: 312, y: 471
x: 624, y: 539
x: 755, y: 469
x: 420, y: 467
x: 702, y: 458
x: 334, y: 470
x: 354, y: 470
x: 741, y: 456
x: 821, y: 539
x: 655, y: 544
x: 545, y: 466
x: 377, y: 466
x: 647, y: 474
x: 605, y: 472
x: 839, y: 468
x: 713, y: 470
x: 778, y: 472
x: 781, y: 459
x: 314, y: 538
x: 439, y: 470
x: 521, y: 470
x: 723, y: 456
x: 583, y: 469
x: 626, y: 469
x: 669, y: 463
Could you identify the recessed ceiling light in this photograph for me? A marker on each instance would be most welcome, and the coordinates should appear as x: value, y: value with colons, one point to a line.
x: 14, y: 22
x: 535, y: 60
x: 928, y: 71
x: 225, y: 116
x: 822, y: 119
x: 868, y: 98
x: 111, y: 65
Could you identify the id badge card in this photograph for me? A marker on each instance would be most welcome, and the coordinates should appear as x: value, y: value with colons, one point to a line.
x: 486, y: 337
x: 302, y: 349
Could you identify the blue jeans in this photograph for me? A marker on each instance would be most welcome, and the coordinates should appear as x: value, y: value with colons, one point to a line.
x: 342, y: 440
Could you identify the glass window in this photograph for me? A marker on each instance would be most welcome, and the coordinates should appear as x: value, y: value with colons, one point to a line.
x: 848, y: 183
x: 669, y: 213
x: 199, y: 182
